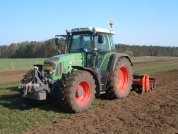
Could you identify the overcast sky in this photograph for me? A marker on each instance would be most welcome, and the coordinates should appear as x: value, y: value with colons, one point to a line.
x: 135, y: 22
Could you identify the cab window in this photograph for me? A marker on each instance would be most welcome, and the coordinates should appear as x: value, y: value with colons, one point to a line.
x: 111, y: 41
x: 103, y: 46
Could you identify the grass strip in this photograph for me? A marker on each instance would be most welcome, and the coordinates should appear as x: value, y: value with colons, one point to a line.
x: 150, y: 69
x: 148, y: 58
x: 23, y: 63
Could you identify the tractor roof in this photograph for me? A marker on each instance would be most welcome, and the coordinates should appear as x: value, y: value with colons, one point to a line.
x: 89, y: 29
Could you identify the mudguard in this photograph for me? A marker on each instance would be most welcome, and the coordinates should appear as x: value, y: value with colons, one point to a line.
x: 113, y: 60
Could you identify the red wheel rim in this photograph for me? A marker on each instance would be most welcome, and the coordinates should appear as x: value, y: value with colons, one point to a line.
x: 123, y: 79
x: 84, y: 98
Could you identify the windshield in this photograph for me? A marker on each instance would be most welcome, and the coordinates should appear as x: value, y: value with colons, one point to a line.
x: 81, y: 43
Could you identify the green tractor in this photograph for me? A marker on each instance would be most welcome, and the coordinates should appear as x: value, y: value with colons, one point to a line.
x: 88, y: 67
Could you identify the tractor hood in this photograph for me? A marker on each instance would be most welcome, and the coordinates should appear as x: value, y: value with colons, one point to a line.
x: 72, y: 58
x: 62, y: 64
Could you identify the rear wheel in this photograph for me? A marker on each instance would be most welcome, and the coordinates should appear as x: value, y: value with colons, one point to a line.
x: 76, y: 91
x: 120, y: 80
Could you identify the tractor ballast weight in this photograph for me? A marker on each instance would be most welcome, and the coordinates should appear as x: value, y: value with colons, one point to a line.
x: 88, y: 67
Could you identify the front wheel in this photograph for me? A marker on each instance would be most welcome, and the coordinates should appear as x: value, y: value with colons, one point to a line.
x: 120, y: 80
x: 76, y: 91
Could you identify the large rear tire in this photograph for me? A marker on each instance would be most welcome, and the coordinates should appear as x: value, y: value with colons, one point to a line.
x: 120, y: 80
x: 76, y: 91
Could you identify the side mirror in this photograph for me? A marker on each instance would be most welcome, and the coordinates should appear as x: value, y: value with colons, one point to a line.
x: 100, y: 38
x: 56, y: 41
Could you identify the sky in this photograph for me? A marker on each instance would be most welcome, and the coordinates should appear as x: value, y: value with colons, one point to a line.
x: 135, y: 22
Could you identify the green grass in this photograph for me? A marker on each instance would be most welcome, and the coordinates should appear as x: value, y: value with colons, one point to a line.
x: 25, y: 63
x: 150, y: 69
x: 17, y: 115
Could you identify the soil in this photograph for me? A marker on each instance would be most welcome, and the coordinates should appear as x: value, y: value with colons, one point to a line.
x: 12, y: 75
x: 153, y: 112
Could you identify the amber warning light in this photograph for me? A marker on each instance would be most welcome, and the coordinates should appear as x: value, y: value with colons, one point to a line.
x: 111, y: 23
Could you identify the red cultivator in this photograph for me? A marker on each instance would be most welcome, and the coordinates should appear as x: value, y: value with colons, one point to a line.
x: 143, y: 83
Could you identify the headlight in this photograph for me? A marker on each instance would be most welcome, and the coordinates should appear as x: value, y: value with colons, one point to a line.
x: 51, y: 71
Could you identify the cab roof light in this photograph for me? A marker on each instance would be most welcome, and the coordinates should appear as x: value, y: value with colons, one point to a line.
x: 111, y: 23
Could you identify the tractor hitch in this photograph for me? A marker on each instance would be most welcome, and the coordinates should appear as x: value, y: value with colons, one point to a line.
x: 35, y: 88
x: 33, y: 91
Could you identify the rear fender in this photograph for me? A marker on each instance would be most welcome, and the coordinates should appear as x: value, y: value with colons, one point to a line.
x: 113, y: 60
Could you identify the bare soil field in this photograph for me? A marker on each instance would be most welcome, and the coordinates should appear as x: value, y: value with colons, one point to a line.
x: 152, y: 112
x: 12, y: 75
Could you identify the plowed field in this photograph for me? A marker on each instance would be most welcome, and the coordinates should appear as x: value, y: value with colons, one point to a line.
x: 152, y: 112
x: 12, y: 75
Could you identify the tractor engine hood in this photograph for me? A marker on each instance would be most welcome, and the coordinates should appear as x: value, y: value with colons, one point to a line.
x: 63, y: 63
x: 51, y: 62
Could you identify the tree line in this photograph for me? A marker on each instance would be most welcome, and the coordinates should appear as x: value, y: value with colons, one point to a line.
x: 44, y: 49
x: 32, y: 49
x: 136, y: 50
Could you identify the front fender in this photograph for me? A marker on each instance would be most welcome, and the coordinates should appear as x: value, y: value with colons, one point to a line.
x: 96, y: 72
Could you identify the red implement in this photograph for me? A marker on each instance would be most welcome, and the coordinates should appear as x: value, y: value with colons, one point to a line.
x: 142, y: 83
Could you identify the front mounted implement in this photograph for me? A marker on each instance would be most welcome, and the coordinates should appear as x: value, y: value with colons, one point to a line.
x: 35, y: 88
x: 143, y: 83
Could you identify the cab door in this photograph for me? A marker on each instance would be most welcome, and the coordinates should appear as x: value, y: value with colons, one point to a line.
x: 102, y: 50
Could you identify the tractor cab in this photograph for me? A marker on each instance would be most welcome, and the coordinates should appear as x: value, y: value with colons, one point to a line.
x: 82, y: 38
x: 91, y: 41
